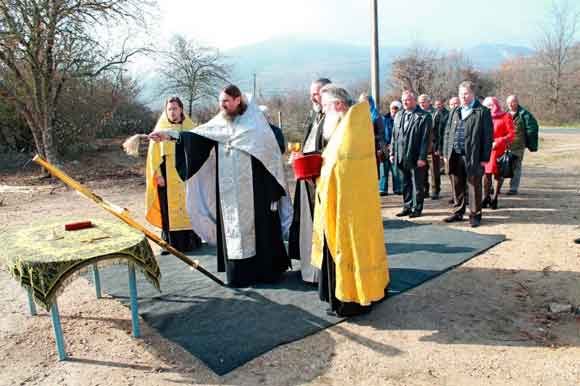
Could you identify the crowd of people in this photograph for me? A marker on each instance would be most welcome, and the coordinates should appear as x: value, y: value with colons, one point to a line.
x: 224, y: 182
x: 464, y: 141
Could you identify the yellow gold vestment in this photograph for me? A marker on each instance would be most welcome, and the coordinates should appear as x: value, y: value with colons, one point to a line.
x: 347, y: 212
x: 178, y: 217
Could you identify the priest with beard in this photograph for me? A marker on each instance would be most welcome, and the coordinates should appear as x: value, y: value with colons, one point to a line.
x: 348, y: 243
x: 300, y: 241
x: 235, y: 182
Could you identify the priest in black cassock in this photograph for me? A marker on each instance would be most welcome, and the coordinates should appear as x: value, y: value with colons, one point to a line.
x: 235, y: 184
x: 300, y: 241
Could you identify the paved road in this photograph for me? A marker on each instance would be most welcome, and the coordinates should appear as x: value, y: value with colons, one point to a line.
x: 560, y: 130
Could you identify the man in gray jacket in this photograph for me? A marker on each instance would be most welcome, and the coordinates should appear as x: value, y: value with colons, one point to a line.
x: 467, y: 147
x: 411, y: 135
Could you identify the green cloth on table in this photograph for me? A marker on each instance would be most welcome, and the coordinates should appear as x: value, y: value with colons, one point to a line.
x: 43, y: 257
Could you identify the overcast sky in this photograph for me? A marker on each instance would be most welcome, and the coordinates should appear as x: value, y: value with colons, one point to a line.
x: 441, y: 23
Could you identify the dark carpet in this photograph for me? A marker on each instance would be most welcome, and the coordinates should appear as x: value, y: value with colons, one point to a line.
x: 226, y: 327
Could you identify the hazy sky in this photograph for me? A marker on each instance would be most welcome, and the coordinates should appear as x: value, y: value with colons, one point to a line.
x: 441, y: 23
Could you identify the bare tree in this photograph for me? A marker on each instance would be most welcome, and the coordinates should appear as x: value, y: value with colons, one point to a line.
x: 45, y: 43
x: 555, y: 49
x: 415, y: 70
x: 427, y: 72
x: 196, y: 72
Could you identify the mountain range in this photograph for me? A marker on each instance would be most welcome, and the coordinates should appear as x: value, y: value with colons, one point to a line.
x: 284, y: 64
x: 288, y: 64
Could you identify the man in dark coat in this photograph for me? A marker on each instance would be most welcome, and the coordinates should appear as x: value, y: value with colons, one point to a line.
x: 411, y: 134
x: 433, y: 165
x: 439, y: 123
x: 300, y: 239
x: 467, y: 147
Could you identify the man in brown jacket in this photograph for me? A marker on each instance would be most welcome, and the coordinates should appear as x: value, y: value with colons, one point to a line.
x: 467, y: 147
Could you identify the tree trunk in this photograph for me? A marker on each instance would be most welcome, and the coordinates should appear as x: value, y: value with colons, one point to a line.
x: 190, y: 105
x: 50, y: 149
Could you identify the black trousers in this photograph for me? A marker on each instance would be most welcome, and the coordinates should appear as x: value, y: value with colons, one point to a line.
x: 458, y: 168
x: 413, y: 181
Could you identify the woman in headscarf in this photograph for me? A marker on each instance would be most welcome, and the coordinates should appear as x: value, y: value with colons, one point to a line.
x: 503, y: 135
x: 165, y: 196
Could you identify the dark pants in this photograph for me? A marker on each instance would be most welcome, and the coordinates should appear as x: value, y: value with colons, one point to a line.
x: 435, y: 171
x: 413, y: 188
x: 487, y: 186
x: 458, y: 168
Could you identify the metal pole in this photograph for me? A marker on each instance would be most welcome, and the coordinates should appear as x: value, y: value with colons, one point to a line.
x: 134, y: 300
x: 97, y: 280
x: 375, y: 54
x: 254, y: 87
x: 31, y: 305
x: 59, y: 339
x: 280, y: 119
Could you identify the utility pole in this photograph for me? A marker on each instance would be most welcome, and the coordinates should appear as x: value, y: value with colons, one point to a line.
x: 375, y: 54
x: 254, y: 88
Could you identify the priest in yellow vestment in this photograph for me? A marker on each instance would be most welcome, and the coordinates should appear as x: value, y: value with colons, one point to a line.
x: 165, y: 190
x: 348, y: 242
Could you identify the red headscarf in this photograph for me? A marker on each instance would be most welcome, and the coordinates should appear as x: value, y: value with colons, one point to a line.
x: 493, y: 104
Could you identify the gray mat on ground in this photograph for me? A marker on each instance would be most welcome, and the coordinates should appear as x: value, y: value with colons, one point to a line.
x: 226, y: 327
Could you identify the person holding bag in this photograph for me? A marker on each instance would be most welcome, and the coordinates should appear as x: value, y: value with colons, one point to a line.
x: 503, y: 136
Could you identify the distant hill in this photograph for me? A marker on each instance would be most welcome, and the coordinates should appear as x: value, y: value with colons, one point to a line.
x: 489, y: 56
x: 288, y: 63
x: 284, y: 64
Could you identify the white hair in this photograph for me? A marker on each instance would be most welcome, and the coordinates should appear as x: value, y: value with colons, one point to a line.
x: 335, y: 93
x: 396, y: 104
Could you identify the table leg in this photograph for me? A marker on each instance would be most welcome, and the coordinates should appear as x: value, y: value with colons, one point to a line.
x: 134, y: 305
x: 31, y: 305
x: 97, y: 279
x: 57, y: 331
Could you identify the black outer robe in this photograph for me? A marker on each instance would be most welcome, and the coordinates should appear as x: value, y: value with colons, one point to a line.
x: 271, y: 259
x: 315, y: 121
x: 184, y: 240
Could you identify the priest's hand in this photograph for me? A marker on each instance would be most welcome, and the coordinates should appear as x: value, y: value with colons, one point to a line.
x: 159, y: 136
x: 160, y: 181
x: 312, y: 182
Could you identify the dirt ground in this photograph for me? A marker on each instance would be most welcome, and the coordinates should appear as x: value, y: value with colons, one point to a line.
x: 485, y: 323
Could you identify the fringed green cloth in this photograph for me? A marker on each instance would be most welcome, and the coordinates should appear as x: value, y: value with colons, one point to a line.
x: 42, y: 258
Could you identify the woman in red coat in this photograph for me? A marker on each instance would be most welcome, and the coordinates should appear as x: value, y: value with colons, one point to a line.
x: 503, y: 135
